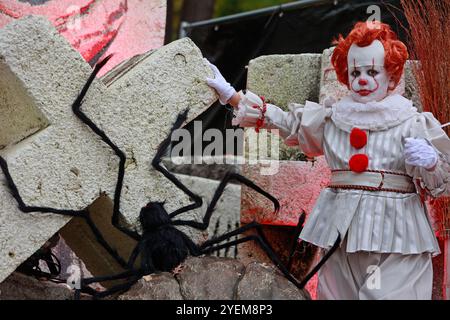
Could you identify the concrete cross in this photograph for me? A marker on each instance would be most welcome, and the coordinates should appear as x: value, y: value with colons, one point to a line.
x: 58, y: 161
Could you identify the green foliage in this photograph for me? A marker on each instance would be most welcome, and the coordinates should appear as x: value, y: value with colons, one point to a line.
x: 227, y: 7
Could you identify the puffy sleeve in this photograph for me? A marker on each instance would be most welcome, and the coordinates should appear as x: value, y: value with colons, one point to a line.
x: 302, y: 125
x: 437, y: 181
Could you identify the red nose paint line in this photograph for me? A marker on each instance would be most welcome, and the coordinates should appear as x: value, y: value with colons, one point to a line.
x: 363, y: 82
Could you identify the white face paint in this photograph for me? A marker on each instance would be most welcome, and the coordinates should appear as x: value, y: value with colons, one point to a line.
x: 369, y: 80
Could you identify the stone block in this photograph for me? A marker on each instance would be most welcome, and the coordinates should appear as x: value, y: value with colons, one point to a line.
x: 21, y: 287
x: 411, y: 88
x: 264, y: 282
x: 283, y: 79
x: 200, y: 281
x: 329, y: 84
x: 162, y: 286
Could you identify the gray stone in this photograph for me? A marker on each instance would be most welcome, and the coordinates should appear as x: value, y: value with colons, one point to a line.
x: 162, y: 286
x: 61, y: 163
x: 411, y: 87
x: 210, y: 278
x: 21, y: 287
x: 283, y: 79
x: 329, y: 84
x: 263, y: 282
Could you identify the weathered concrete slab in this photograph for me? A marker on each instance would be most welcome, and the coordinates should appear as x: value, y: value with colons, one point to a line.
x: 283, y: 79
x: 65, y: 165
x: 212, y: 167
x: 329, y: 84
x: 299, y: 77
x: 200, y: 281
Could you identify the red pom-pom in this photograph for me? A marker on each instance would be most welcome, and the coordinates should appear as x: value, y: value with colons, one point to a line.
x: 358, y: 138
x: 359, y: 162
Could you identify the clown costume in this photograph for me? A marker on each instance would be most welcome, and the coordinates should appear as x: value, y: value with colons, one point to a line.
x: 384, y: 156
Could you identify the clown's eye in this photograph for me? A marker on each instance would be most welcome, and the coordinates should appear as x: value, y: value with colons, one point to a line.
x: 356, y: 73
x: 372, y: 72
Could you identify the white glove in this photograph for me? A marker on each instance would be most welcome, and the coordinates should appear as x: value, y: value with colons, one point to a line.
x: 223, y: 88
x: 419, y: 153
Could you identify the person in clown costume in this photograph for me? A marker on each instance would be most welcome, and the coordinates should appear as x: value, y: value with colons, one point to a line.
x: 385, y: 158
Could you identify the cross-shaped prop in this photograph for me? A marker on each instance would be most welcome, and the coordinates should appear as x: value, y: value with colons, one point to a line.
x: 55, y: 159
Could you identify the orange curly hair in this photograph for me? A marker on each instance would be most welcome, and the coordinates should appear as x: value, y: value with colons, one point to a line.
x: 362, y: 35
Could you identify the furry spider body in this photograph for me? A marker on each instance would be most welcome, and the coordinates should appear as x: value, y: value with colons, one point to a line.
x: 161, y: 247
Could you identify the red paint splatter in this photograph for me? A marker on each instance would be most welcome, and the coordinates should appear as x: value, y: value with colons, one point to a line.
x: 8, y: 12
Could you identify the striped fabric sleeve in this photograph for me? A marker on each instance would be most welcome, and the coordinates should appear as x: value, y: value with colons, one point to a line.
x: 437, y: 181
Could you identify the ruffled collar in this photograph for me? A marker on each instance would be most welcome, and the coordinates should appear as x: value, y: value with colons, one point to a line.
x: 374, y: 116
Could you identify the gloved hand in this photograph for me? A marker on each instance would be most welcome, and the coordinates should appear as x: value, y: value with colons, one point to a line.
x: 223, y: 88
x: 419, y: 153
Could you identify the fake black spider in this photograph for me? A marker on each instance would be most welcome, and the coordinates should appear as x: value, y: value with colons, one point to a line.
x: 161, y: 247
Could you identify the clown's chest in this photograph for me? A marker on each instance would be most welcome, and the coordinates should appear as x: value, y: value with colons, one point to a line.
x: 362, y: 149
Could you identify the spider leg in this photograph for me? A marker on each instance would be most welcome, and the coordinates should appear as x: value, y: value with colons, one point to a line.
x: 298, y: 230
x: 75, y: 213
x: 156, y: 163
x: 122, y: 275
x: 134, y: 275
x: 28, y: 209
x: 98, y: 235
x: 212, y: 245
x: 218, y: 193
x: 130, y: 273
x: 76, y: 108
x: 322, y: 261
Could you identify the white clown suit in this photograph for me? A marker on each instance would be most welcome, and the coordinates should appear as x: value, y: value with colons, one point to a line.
x: 378, y: 213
